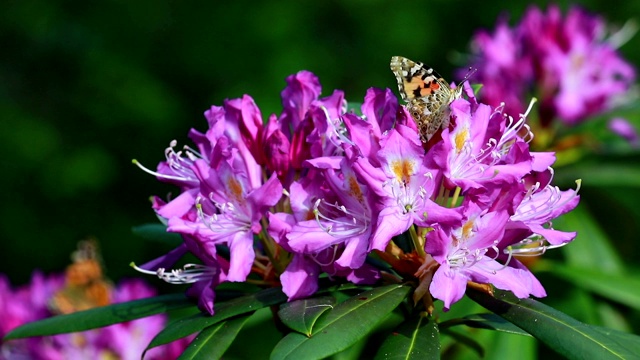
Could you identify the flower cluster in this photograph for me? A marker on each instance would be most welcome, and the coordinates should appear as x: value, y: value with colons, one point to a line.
x: 127, y: 340
x: 566, y: 61
x: 322, y: 190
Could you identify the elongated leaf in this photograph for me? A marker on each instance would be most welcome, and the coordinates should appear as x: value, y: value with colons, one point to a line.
x: 260, y: 332
x: 466, y: 340
x: 486, y: 321
x: 503, y: 345
x: 592, y: 245
x: 223, y: 311
x: 157, y: 232
x: 624, y: 289
x: 613, y: 317
x: 625, y: 199
x: 417, y: 338
x: 301, y: 315
x: 367, y: 347
x: 288, y: 345
x: 342, y: 326
x: 567, y: 336
x: 101, y: 316
x: 213, y: 341
x: 602, y: 174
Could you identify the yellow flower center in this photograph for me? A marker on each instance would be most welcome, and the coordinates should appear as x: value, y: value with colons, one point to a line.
x: 403, y: 169
x: 461, y: 138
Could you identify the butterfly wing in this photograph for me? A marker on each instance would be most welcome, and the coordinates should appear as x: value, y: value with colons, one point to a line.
x: 427, y: 93
x: 85, y: 285
x: 415, y: 80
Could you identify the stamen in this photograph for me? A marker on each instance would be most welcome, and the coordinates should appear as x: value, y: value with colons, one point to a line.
x: 190, y: 273
x: 534, y: 245
x: 622, y: 36
x: 155, y: 173
x: 512, y: 129
x: 229, y: 219
x: 179, y: 165
x: 347, y: 222
x: 315, y: 256
x: 336, y: 130
x: 537, y: 204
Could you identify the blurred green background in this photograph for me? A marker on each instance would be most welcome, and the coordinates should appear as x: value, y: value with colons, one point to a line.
x: 87, y: 86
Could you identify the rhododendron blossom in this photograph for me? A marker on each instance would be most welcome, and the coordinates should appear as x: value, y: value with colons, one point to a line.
x: 570, y: 62
x: 320, y: 190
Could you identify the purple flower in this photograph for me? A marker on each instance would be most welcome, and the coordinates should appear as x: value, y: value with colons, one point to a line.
x: 482, y: 149
x: 533, y: 215
x: 321, y: 189
x: 626, y: 130
x: 569, y: 63
x: 123, y: 341
x: 405, y: 187
x: 467, y: 253
x: 228, y: 211
x: 343, y: 214
x: 302, y: 89
x: 300, y: 279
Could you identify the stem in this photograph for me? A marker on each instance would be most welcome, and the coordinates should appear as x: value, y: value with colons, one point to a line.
x: 440, y: 197
x: 257, y: 264
x: 417, y: 243
x: 258, y: 282
x: 454, y: 199
x: 270, y: 248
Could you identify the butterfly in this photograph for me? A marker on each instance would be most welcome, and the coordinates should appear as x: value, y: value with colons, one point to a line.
x: 427, y: 93
x: 85, y: 285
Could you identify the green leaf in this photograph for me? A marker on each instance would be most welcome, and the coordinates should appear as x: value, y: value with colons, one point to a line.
x: 214, y: 340
x: 591, y: 245
x: 224, y: 310
x: 261, y: 331
x: 476, y: 88
x: 101, y: 316
x: 503, y: 345
x: 613, y: 317
x: 417, y: 338
x: 466, y: 340
x: 342, y: 326
x: 367, y: 347
x: 625, y: 201
x: 622, y: 288
x: 157, y: 232
x: 562, y: 333
x: 601, y: 174
x: 301, y: 315
x: 354, y: 107
x: 463, y: 308
x: 486, y: 321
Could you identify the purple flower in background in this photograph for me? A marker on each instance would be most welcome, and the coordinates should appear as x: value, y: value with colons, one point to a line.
x: 566, y: 61
x: 125, y: 341
x: 626, y: 130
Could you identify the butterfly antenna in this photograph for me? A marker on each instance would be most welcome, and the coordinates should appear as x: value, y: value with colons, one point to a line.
x: 469, y: 74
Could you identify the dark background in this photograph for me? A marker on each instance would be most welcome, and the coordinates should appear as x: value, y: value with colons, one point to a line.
x: 86, y: 87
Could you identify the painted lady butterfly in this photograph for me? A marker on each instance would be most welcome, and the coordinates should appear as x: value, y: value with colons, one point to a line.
x: 85, y: 285
x: 427, y: 93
